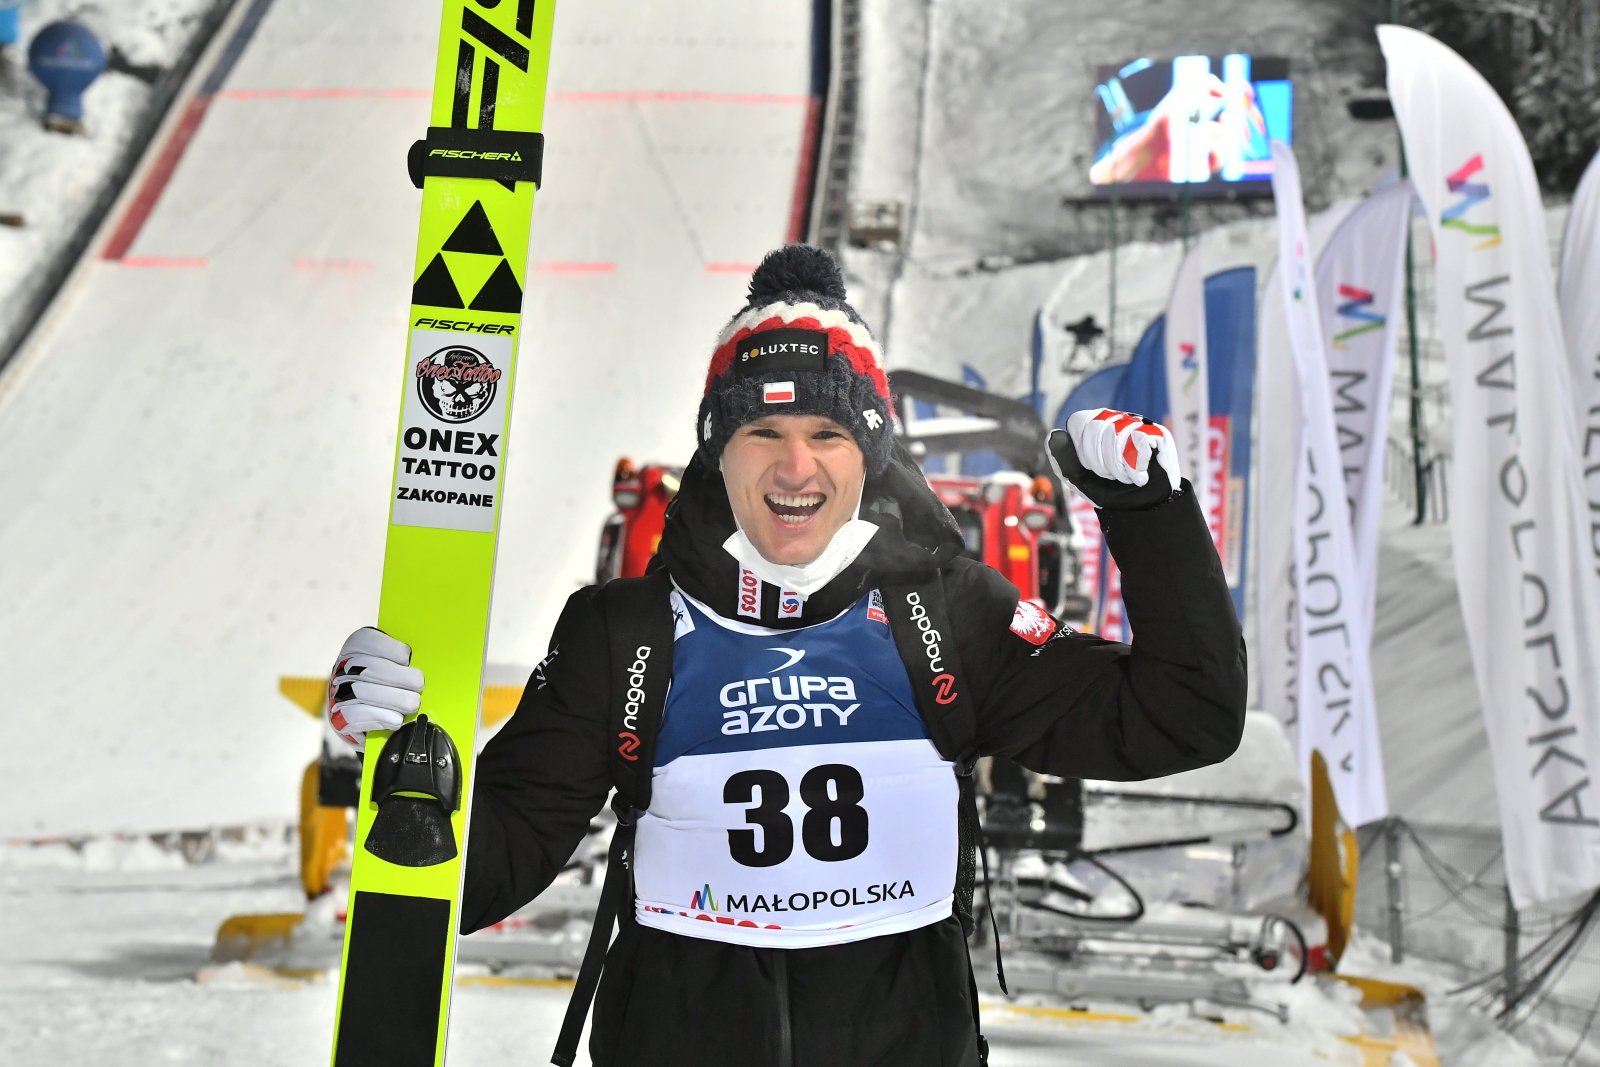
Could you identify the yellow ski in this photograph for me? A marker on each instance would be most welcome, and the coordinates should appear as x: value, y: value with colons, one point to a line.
x: 478, y: 168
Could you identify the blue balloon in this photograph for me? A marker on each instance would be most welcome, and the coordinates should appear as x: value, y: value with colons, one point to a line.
x: 66, y: 57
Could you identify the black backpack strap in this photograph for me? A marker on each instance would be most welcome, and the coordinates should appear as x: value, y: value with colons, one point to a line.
x: 640, y: 628
x: 920, y: 622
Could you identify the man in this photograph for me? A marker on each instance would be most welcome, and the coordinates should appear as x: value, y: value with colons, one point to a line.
x: 835, y: 667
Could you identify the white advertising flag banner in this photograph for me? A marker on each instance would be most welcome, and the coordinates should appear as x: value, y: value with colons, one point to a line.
x: 1359, y: 275
x: 1277, y: 464
x: 1580, y: 322
x: 1516, y: 485
x: 1335, y: 708
x: 1188, y: 389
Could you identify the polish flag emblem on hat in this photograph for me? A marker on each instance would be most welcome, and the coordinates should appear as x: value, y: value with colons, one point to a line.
x: 778, y: 392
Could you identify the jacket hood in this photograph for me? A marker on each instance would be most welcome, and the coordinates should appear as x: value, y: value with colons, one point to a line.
x: 917, y: 536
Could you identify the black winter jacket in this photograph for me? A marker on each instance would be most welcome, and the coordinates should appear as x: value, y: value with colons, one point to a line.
x: 1078, y: 706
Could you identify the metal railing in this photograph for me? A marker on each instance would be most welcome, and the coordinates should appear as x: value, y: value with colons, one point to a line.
x: 1439, y: 892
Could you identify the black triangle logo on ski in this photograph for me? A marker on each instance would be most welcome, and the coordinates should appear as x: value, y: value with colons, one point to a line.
x: 436, y: 288
x: 474, y: 234
x: 500, y: 293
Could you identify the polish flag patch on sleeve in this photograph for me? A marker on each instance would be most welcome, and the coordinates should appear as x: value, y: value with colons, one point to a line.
x: 778, y: 392
x: 1032, y: 623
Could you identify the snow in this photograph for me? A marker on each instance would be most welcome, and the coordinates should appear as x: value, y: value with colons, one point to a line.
x: 188, y: 532
x: 53, y: 179
x: 109, y: 965
x: 228, y: 453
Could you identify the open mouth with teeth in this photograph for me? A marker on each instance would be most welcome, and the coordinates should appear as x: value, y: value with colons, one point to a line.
x: 794, y: 508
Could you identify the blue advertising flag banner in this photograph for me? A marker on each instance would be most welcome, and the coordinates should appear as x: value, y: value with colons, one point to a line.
x: 1097, y: 390
x: 1143, y: 388
x: 1231, y: 364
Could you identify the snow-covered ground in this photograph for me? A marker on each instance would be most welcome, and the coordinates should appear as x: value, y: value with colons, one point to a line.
x: 187, y: 530
x: 108, y: 951
x: 53, y: 180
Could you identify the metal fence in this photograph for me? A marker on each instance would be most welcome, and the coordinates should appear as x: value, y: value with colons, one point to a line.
x: 1439, y: 892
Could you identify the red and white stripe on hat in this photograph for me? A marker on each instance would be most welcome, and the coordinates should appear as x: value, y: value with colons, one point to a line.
x: 846, y: 338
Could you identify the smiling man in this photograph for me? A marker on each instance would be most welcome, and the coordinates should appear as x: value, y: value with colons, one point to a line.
x: 790, y: 704
x: 793, y: 481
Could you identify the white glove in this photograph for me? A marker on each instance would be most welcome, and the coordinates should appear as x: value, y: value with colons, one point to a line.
x: 1114, y: 449
x: 372, y: 686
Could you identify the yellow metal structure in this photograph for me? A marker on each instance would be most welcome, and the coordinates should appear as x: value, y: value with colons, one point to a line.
x: 1335, y: 860
x: 1396, y: 1014
x: 311, y: 694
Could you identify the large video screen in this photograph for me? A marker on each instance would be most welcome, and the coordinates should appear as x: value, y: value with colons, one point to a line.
x: 1195, y: 124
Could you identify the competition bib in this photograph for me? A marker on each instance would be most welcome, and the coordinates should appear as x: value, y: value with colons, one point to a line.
x: 796, y: 799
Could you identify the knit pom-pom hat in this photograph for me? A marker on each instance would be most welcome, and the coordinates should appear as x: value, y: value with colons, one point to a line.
x: 797, y: 348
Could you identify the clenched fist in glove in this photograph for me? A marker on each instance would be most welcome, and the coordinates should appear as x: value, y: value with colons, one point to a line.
x: 1108, y: 456
x: 372, y: 686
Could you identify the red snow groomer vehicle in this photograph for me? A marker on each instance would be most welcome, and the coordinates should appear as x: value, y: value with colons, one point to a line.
x: 1013, y: 518
x: 630, y: 534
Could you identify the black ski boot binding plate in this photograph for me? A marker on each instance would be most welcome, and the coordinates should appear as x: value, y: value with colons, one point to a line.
x: 416, y: 785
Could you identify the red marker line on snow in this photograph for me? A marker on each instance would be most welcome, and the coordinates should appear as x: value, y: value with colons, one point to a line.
x: 164, y: 262
x: 690, y: 96
x: 347, y: 265
x: 556, y: 267
x: 156, y: 178
x: 327, y: 93
x: 800, y: 202
x: 603, y: 96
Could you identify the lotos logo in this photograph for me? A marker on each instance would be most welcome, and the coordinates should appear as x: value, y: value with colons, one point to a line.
x: 1357, y: 307
x: 628, y: 749
x: 875, y: 610
x: 749, y: 593
x: 1472, y: 193
x: 944, y: 683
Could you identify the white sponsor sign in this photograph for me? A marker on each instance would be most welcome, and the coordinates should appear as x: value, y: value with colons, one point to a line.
x: 1580, y: 322
x: 452, y: 431
x: 1188, y: 390
x: 1278, y: 453
x: 1359, y: 295
x: 1516, y: 495
x: 1333, y: 690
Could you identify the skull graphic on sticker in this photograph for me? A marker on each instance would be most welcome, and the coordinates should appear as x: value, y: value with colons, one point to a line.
x: 457, y: 383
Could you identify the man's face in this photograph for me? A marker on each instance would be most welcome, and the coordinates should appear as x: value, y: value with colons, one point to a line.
x: 793, y: 481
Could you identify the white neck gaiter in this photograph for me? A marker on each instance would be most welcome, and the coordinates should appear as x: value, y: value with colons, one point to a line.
x: 805, y: 578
